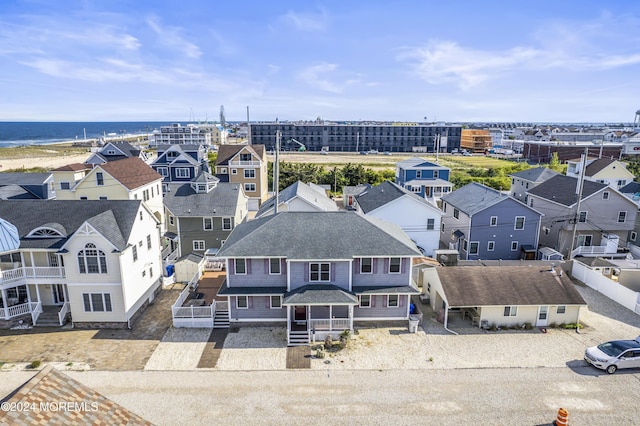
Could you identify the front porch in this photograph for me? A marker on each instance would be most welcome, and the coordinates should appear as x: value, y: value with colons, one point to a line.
x: 27, y: 303
x: 199, y: 304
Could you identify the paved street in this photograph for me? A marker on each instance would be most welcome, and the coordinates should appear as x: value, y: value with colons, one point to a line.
x: 514, y: 396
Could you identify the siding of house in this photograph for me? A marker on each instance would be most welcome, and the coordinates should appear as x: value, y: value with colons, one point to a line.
x: 259, y: 308
x: 300, y: 274
x: 76, y: 303
x: 257, y: 274
x: 379, y: 309
x: 504, y: 233
x: 192, y: 229
x: 381, y: 275
x: 451, y: 224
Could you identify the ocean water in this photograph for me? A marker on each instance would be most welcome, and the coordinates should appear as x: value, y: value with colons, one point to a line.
x: 39, y: 133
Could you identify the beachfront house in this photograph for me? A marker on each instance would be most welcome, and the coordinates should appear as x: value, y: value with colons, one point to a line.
x: 181, y: 163
x: 114, y: 151
x: 245, y: 165
x: 97, y: 262
x: 424, y: 178
x: 317, y: 272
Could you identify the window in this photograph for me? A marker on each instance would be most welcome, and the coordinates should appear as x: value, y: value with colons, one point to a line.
x: 172, y: 220
x: 605, y: 195
x: 182, y: 172
x: 245, y: 157
x: 250, y: 187
x: 393, y: 301
x: 394, y: 265
x: 442, y: 227
x: 241, y: 266
x: 456, y: 213
x: 99, y: 179
x: 493, y: 221
x: 227, y: 224
x: 621, y: 183
x: 416, y: 188
x: 207, y: 223
x: 134, y: 252
x: 582, y: 217
x: 418, y: 174
x: 366, y: 265
x: 365, y: 300
x: 435, y: 174
x: 198, y: 245
x: 144, y: 273
x: 633, y: 235
x: 97, y: 302
x: 319, y: 272
x: 274, y: 266
x: 561, y: 309
x: 275, y: 302
x: 514, y: 245
x: 91, y: 260
x: 622, y: 217
x: 223, y: 170
x: 249, y: 173
x: 148, y: 242
x: 473, y: 247
x: 65, y: 185
x: 234, y: 171
x: 465, y: 245
x: 519, y: 225
x: 162, y: 171
x: 103, y: 198
x: 431, y: 224
x: 491, y: 245
x: 510, y: 311
x: 150, y: 272
x: 242, y: 302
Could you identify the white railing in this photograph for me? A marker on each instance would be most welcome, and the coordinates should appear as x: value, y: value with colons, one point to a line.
x: 171, y: 257
x: 62, y: 315
x: 193, y: 312
x: 329, y: 324
x: 165, y: 252
x: 589, y: 250
x: 21, y: 309
x: 244, y: 163
x: 221, y: 306
x: 181, y: 298
x: 36, y: 310
x: 31, y: 272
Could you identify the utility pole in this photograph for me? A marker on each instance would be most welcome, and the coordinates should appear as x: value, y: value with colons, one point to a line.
x: 276, y: 171
x: 579, y: 190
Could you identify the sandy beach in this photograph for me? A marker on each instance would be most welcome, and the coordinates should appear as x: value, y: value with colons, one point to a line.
x: 48, y: 163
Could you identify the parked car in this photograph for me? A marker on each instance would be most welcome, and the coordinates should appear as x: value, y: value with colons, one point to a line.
x: 610, y: 356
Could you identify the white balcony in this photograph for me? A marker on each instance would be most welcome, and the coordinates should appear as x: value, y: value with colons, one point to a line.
x: 31, y: 275
x: 244, y: 163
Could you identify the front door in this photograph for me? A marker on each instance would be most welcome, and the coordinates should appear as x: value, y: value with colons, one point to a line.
x: 300, y: 314
x: 58, y: 294
x: 542, y: 316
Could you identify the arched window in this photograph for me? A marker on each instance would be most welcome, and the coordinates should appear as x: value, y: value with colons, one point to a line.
x: 92, y: 260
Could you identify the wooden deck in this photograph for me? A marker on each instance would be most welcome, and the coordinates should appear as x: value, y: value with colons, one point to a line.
x: 298, y: 357
x: 207, y: 290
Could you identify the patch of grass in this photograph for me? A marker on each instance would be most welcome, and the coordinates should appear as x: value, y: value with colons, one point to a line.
x: 34, y: 364
x: 28, y: 151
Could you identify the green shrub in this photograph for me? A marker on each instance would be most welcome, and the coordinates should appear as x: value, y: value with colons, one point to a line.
x: 35, y: 364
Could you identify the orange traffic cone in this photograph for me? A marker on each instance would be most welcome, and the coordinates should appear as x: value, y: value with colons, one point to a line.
x: 563, y: 418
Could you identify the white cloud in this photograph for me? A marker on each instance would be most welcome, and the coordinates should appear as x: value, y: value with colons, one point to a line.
x: 317, y: 76
x: 307, y: 21
x: 171, y: 37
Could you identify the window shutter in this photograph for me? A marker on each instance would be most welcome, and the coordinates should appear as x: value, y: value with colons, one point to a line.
x: 401, y: 300
x: 305, y: 271
x: 232, y: 266
x: 357, y: 262
x: 403, y: 265
x: 386, y: 265
x: 332, y: 266
x: 374, y: 266
x: 248, y: 266
x: 267, y: 300
x: 283, y: 266
x: 373, y: 301
x: 384, y: 301
x: 266, y: 266
x: 250, y: 302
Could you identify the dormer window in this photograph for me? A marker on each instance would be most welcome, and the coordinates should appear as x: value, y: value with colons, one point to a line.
x: 45, y: 232
x: 245, y: 157
x: 99, y: 178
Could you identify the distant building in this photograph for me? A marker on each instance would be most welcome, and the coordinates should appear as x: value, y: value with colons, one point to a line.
x: 423, y: 178
x: 360, y: 136
x: 474, y: 140
x: 189, y: 134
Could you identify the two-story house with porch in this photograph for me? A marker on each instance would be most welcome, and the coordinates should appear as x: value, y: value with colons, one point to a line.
x: 604, y: 170
x: 181, y: 163
x: 126, y: 179
x: 98, y: 261
x: 417, y: 217
x: 201, y: 214
x: 317, y: 272
x: 601, y: 223
x: 482, y: 223
x: 426, y: 179
x: 245, y: 165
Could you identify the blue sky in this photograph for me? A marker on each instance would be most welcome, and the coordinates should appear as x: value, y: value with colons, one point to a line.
x: 459, y: 61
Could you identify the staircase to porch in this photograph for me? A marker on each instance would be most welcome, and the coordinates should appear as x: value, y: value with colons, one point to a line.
x: 48, y: 317
x: 298, y: 337
x: 221, y: 318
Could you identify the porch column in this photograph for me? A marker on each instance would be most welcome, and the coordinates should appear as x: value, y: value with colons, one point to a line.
x: 38, y: 292
x: 351, y: 317
x: 330, y: 317
x: 288, y: 319
x: 5, y: 303
x: 33, y: 263
x: 28, y: 294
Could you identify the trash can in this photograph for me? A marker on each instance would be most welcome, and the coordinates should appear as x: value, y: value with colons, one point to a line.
x: 413, y: 323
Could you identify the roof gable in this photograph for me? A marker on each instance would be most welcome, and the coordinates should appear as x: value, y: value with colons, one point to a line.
x: 474, y: 197
x: 561, y: 189
x: 227, y: 152
x: 132, y: 173
x: 385, y: 193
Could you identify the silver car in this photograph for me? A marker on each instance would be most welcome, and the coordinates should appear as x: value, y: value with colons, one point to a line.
x: 610, y: 356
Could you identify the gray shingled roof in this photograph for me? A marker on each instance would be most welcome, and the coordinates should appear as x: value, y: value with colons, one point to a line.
x: 407, y: 289
x: 15, y: 192
x: 562, y: 189
x: 383, y: 194
x: 317, y: 235
x: 597, y: 165
x: 537, y: 174
x: 630, y: 188
x: 112, y: 218
x: 225, y: 152
x: 474, y: 197
x: 506, y: 285
x: 182, y: 200
x: 418, y: 162
x: 319, y: 294
x: 250, y: 291
x: 19, y: 178
x: 304, y: 192
x: 595, y: 262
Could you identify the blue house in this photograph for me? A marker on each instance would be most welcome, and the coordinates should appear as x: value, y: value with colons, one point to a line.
x: 181, y: 163
x: 482, y: 223
x: 317, y: 272
x: 426, y: 179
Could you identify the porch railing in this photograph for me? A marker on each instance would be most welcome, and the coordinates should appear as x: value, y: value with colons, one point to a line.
x: 329, y: 324
x: 243, y: 163
x: 589, y: 250
x: 21, y: 309
x: 31, y: 272
x: 62, y: 315
x: 36, y: 310
x: 193, y: 312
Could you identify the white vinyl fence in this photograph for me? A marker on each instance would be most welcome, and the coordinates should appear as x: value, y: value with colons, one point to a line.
x: 628, y: 298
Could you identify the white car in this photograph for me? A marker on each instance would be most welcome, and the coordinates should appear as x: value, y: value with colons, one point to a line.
x: 610, y: 356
